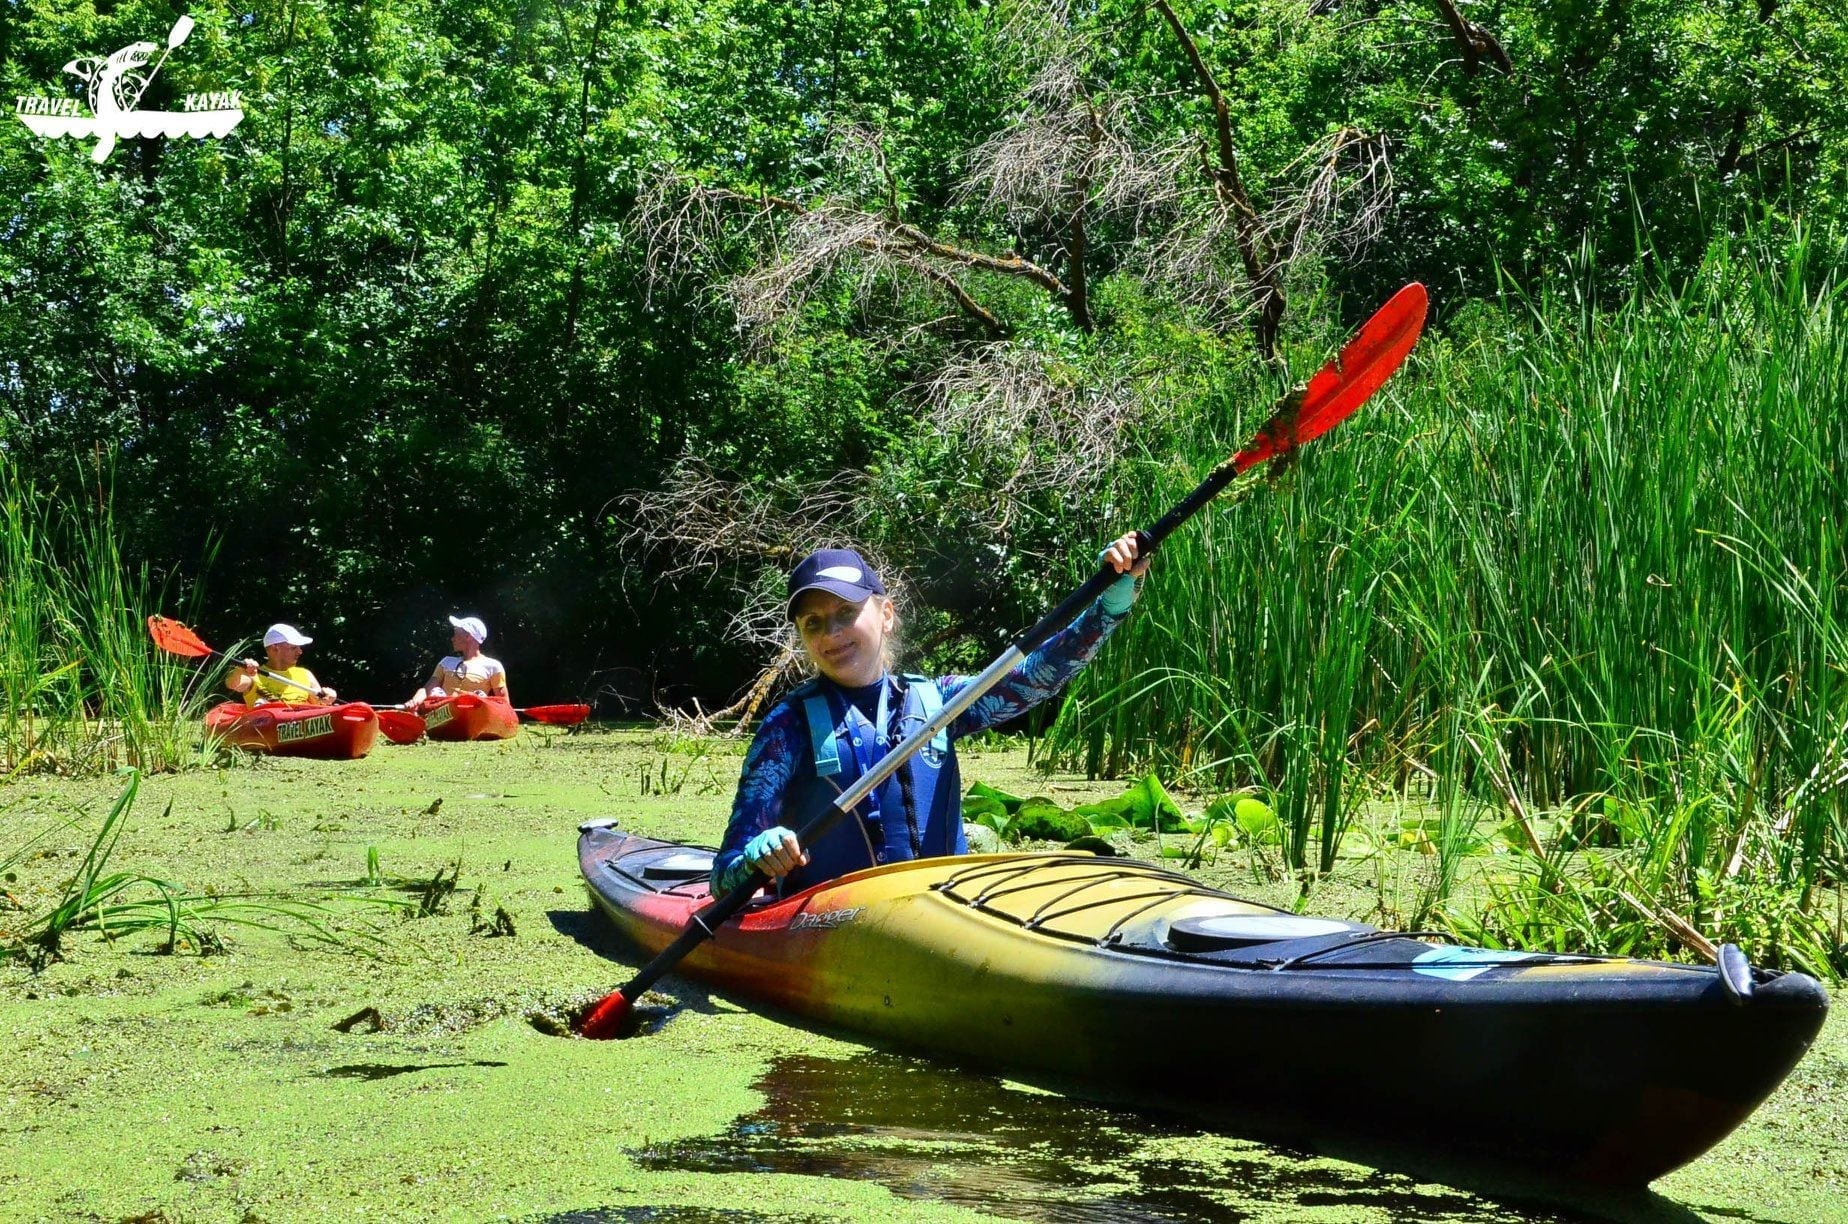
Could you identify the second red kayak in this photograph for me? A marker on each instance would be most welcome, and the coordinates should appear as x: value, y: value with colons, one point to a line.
x: 469, y: 716
x: 330, y: 733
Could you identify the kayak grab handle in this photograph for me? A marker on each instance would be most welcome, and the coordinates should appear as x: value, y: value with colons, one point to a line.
x: 1735, y: 974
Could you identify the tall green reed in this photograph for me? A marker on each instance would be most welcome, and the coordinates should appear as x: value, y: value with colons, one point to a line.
x: 1570, y: 555
x: 84, y: 690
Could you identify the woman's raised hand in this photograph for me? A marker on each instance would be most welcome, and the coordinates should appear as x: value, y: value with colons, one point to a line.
x: 1123, y: 556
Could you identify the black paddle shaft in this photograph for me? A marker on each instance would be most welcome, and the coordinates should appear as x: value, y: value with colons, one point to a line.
x: 1147, y: 541
x: 706, y: 921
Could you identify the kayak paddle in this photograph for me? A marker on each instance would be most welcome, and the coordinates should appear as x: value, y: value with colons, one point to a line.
x: 176, y: 639
x: 1336, y: 391
x: 567, y: 715
x: 177, y: 35
x: 399, y: 726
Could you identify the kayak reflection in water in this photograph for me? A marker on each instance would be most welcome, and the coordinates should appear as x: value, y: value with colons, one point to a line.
x: 287, y: 681
x: 467, y: 670
x: 828, y: 731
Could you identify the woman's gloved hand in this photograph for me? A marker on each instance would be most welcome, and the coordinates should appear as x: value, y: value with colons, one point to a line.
x: 774, y: 852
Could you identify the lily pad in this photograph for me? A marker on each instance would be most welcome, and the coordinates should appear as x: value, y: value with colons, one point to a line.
x: 1255, y: 820
x: 1045, y: 820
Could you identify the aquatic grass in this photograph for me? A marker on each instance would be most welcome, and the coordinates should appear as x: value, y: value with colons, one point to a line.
x: 84, y: 691
x: 1576, y: 565
x: 426, y: 897
x: 119, y: 903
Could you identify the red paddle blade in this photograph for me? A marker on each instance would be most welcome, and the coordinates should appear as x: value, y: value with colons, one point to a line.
x: 400, y: 726
x: 175, y: 638
x: 606, y: 1018
x: 557, y: 715
x: 1344, y: 384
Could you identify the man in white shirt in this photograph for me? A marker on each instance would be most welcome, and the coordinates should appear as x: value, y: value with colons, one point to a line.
x: 467, y: 670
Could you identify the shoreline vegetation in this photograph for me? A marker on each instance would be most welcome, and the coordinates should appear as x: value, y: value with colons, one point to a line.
x: 287, y: 1070
x: 591, y: 318
x: 1571, y: 592
x: 1576, y: 585
x: 82, y: 690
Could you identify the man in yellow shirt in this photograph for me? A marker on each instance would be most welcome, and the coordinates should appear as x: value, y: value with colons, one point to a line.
x: 467, y: 670
x: 297, y: 685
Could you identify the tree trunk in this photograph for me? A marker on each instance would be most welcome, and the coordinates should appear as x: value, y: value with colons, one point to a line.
x: 574, y: 295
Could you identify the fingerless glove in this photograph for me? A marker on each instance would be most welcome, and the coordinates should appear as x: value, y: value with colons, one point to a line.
x: 1119, y: 595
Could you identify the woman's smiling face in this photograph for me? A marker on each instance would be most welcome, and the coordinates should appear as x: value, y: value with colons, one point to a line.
x: 846, y: 640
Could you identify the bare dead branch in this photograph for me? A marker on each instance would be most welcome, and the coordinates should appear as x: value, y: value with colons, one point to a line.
x: 697, y: 522
x: 1474, y: 43
x: 813, y: 241
x: 1261, y: 264
x: 1032, y: 426
x: 740, y: 713
x: 1335, y: 196
x: 1226, y: 177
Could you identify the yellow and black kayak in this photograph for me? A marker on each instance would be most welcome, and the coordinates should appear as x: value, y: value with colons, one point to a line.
x: 1143, y: 983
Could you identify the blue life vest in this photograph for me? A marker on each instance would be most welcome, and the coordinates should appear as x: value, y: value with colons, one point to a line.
x: 845, y: 745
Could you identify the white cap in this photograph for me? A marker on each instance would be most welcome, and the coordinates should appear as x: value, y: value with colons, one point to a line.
x: 285, y: 635
x: 472, y: 626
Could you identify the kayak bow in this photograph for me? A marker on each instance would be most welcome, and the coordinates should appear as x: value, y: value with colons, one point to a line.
x: 469, y: 716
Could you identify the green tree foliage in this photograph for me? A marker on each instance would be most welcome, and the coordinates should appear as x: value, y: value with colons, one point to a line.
x: 393, y: 344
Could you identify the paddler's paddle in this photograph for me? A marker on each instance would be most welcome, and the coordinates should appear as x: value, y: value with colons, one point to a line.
x: 1337, y: 389
x: 567, y: 715
x: 177, y: 35
x: 399, y: 726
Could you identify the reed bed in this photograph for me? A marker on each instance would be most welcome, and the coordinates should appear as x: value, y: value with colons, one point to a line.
x: 82, y: 690
x: 1578, y: 569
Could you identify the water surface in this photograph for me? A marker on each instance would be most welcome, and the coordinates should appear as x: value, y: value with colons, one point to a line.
x: 928, y: 1132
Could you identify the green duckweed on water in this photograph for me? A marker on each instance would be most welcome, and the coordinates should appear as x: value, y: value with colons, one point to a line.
x: 410, y: 1075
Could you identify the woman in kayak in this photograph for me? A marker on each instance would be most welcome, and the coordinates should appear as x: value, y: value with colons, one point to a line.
x: 467, y: 670
x: 288, y: 681
x: 830, y: 730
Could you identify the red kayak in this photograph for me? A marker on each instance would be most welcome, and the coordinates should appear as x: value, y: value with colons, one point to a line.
x: 330, y: 733
x: 469, y: 716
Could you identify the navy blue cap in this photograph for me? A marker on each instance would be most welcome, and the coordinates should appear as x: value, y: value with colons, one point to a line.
x: 838, y: 571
